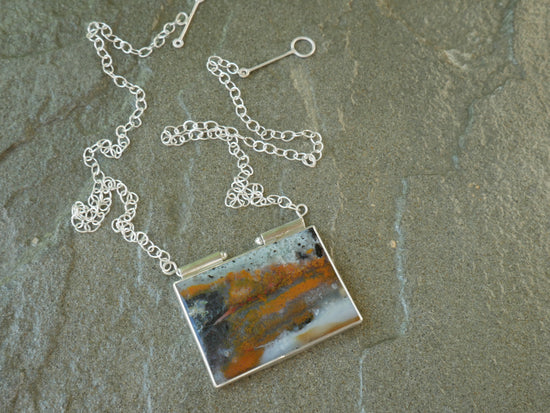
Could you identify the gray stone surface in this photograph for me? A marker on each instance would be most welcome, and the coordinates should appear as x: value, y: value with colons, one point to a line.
x: 433, y: 197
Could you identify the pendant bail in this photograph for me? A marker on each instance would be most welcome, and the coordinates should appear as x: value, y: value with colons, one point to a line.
x: 187, y: 271
x: 283, y: 231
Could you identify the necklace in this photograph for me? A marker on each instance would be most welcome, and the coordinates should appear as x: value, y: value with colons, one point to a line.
x: 255, y: 309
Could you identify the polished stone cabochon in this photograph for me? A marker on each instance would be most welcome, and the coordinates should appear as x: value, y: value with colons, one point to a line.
x: 268, y: 303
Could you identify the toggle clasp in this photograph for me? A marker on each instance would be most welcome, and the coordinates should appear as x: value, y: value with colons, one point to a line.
x: 293, y: 51
x: 178, y: 43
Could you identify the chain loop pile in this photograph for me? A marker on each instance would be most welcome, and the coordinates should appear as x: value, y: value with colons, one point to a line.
x: 242, y: 192
x: 89, y: 217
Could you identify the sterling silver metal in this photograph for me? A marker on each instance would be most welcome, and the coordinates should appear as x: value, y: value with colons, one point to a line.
x: 243, y: 192
x: 245, y: 72
x: 283, y: 232
x: 203, y: 264
x: 178, y: 43
x: 89, y: 217
x: 265, y: 238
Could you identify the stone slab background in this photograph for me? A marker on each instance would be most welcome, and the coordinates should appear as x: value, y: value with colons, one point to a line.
x: 433, y: 197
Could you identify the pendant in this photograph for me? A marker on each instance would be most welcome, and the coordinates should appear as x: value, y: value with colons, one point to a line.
x: 251, y: 311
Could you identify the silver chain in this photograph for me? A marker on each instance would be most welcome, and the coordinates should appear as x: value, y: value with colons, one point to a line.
x: 242, y: 192
x: 89, y: 217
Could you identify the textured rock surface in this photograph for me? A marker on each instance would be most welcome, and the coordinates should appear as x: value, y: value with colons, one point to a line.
x: 433, y: 197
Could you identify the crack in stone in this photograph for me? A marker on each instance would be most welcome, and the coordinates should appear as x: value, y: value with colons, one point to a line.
x: 507, y: 29
x: 302, y: 83
x: 341, y: 197
x: 387, y: 11
x: 461, y: 140
x: 462, y: 137
x: 400, y: 255
x: 361, y: 361
x: 55, y: 335
x: 14, y: 195
x: 158, y: 16
x: 229, y: 18
x: 31, y: 129
x: 364, y: 354
x: 13, y: 147
x: 455, y: 57
x: 36, y: 53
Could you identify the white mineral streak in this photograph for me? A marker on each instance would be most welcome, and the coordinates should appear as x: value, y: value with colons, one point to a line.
x: 331, y: 314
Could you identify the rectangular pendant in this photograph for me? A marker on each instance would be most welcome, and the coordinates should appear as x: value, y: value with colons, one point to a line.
x: 251, y: 311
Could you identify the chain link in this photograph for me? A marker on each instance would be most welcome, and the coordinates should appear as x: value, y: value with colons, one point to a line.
x: 89, y: 217
x: 242, y: 192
